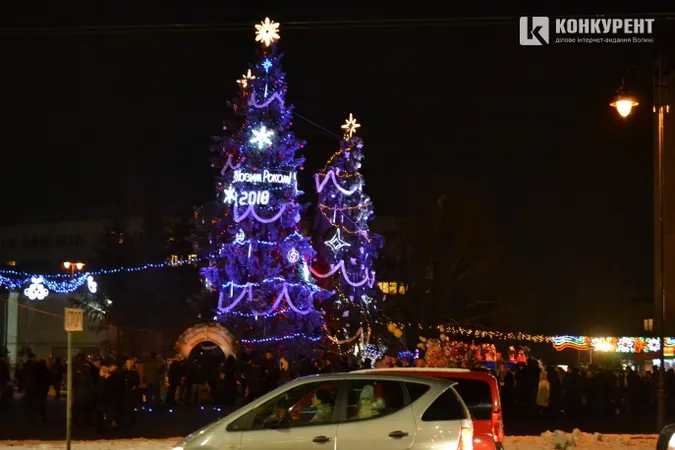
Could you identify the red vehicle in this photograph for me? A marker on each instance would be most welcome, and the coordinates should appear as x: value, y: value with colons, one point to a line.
x: 480, y: 392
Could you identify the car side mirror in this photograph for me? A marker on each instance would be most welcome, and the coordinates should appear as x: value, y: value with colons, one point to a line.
x: 666, y: 439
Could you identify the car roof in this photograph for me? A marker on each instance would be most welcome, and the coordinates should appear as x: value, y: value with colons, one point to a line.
x: 412, y: 369
x: 366, y: 375
x: 458, y: 373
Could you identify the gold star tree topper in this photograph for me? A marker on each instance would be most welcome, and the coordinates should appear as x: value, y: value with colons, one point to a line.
x: 245, y: 78
x: 267, y: 32
x: 350, y: 126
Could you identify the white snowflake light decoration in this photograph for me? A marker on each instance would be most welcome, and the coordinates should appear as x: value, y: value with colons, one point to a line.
x: 653, y: 344
x: 36, y: 290
x: 625, y: 345
x: 267, y: 32
x: 246, y: 78
x: 230, y: 195
x: 293, y: 256
x: 350, y: 126
x: 261, y: 137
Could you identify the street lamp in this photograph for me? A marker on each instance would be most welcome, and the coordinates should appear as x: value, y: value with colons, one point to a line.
x: 624, y: 103
x: 72, y: 266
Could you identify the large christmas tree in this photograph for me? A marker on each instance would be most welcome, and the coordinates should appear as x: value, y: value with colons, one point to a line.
x: 260, y: 258
x: 346, y: 248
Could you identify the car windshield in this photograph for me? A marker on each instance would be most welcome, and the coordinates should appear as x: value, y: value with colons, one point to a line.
x: 476, y: 394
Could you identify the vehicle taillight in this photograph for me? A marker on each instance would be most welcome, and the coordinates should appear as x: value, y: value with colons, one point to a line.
x: 497, y: 426
x: 466, y: 439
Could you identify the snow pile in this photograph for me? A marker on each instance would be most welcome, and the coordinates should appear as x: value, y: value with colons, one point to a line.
x: 118, y: 444
x: 551, y: 440
x: 577, y: 440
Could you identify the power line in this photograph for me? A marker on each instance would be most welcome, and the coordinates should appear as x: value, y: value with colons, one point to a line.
x: 294, y: 25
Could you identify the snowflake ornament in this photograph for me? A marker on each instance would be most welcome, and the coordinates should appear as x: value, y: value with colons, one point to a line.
x: 261, y: 137
x: 625, y: 345
x: 267, y: 32
x: 350, y: 126
x: 245, y: 78
x: 230, y: 195
x: 36, y: 290
x: 653, y: 344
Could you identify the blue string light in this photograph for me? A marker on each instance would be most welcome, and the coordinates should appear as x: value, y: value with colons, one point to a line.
x: 61, y: 283
x: 285, y: 337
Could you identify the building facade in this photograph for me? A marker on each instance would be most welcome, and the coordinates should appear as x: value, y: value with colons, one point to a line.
x: 37, y: 326
x: 669, y: 217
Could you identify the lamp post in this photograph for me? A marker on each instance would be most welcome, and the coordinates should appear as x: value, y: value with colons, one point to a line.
x: 72, y: 266
x: 624, y: 103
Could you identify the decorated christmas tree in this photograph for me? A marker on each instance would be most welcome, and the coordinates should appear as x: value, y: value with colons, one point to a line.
x: 259, y: 260
x: 346, y: 248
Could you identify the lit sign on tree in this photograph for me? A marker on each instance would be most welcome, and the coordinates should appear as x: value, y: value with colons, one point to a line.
x: 246, y: 197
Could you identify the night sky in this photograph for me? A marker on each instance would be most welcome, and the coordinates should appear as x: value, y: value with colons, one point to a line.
x: 88, y: 118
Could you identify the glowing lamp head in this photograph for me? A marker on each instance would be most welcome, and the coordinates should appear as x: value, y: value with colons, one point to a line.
x: 66, y: 265
x: 624, y: 103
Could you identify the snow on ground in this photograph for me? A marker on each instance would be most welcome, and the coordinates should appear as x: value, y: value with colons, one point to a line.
x: 547, y: 441
x: 117, y: 444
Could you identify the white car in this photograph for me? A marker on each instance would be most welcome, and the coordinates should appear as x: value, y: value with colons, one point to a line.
x: 345, y: 412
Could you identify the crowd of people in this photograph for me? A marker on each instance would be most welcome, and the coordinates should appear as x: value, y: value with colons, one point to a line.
x: 595, y: 391
x: 107, y: 392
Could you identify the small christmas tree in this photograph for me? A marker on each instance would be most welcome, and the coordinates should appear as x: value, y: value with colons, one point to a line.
x: 346, y: 248
x: 260, y: 258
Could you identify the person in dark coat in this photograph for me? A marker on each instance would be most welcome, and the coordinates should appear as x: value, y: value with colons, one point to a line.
x: 253, y: 380
x: 270, y: 369
x: 230, y: 378
x: 132, y: 382
x: 57, y: 370
x: 42, y: 383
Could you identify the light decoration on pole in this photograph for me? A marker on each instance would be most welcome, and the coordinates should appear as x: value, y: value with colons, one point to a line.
x: 36, y: 290
x: 92, y: 285
x: 267, y: 32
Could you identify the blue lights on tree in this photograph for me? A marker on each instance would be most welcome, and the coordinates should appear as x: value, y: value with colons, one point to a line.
x: 346, y: 248
x: 261, y: 272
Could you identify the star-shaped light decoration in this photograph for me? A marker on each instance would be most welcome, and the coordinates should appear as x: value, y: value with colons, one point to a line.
x: 336, y: 242
x: 230, y: 195
x: 245, y: 78
x: 261, y: 137
x: 350, y: 126
x: 267, y: 65
x: 267, y: 32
